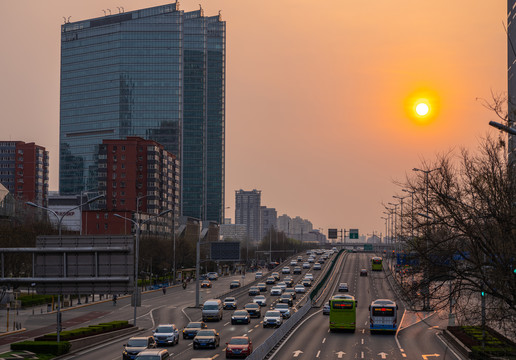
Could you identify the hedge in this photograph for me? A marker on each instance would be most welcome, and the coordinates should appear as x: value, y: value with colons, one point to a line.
x: 86, y: 331
x: 34, y: 300
x: 43, y: 347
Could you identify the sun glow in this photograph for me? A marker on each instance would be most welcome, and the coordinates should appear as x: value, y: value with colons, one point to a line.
x: 422, y: 109
x: 421, y: 106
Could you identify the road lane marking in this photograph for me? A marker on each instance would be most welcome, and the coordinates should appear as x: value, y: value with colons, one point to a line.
x: 256, y: 326
x: 226, y: 323
x: 323, y: 340
x: 318, y: 353
x: 362, y: 341
x: 362, y: 354
x: 250, y: 330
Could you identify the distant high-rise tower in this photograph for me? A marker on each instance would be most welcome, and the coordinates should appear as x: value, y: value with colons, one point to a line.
x: 247, y: 212
x: 156, y: 73
x: 24, y: 171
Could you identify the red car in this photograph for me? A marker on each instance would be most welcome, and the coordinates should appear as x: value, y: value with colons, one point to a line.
x: 239, y: 346
x: 206, y: 284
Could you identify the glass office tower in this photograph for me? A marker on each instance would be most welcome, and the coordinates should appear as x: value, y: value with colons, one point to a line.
x: 146, y: 73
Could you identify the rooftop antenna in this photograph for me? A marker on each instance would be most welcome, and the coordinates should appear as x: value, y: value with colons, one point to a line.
x: 109, y: 11
x: 177, y: 4
x: 64, y: 19
x: 200, y: 9
x: 220, y: 15
x: 104, y: 12
x: 68, y: 19
x: 121, y: 7
x: 119, y: 11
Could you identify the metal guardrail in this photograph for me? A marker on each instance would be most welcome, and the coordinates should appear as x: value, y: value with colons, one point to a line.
x: 261, y: 351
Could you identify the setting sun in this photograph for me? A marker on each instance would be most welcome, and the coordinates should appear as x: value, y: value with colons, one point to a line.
x: 422, y: 109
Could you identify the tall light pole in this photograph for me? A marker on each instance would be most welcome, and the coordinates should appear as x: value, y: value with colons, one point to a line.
x: 426, y: 305
x: 400, y: 198
x: 59, y: 223
x: 138, y: 224
x: 411, y: 211
x: 386, y: 219
x: 81, y: 204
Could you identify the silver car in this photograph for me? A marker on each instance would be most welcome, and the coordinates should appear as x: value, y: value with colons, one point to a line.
x: 326, y: 309
x: 272, y: 318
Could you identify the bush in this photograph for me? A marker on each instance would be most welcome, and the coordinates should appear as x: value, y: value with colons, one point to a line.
x: 34, y: 300
x: 85, y: 331
x: 43, y: 347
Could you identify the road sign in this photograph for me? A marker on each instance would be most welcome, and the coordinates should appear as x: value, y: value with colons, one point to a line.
x: 353, y: 233
x: 332, y: 233
x: 225, y: 250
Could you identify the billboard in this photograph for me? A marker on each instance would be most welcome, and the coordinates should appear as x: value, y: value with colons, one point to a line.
x: 332, y: 233
x: 353, y: 233
x: 225, y: 251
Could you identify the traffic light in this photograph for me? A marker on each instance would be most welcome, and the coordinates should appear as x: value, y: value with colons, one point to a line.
x: 483, y: 294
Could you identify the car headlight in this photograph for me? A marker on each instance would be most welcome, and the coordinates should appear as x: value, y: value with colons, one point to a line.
x: 124, y: 352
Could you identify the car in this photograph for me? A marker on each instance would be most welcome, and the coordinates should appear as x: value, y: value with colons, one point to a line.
x: 258, y: 275
x: 276, y: 275
x: 240, y: 317
x: 253, y: 290
x: 260, y: 300
x: 166, y: 334
x: 239, y: 346
x: 317, y: 266
x: 253, y: 309
x: 309, y: 276
x: 284, y: 309
x: 206, y: 338
x: 276, y: 291
x: 153, y: 354
x: 192, y: 328
x: 206, y: 284
x: 311, y: 259
x: 343, y: 287
x: 307, y: 282
x: 271, y: 280
x: 230, y: 303
x: 272, y: 318
x: 212, y: 276
x: 293, y: 263
x: 326, y: 308
x: 289, y: 281
x: 285, y: 270
x: 291, y: 291
x: 363, y: 272
x: 286, y: 298
x: 262, y: 287
x: 234, y: 284
x: 297, y: 269
x: 306, y: 265
x: 300, y: 289
x: 282, y: 285
x: 299, y: 259
x: 137, y: 344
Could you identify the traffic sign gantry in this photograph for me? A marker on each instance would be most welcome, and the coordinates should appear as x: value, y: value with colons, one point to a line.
x: 353, y: 233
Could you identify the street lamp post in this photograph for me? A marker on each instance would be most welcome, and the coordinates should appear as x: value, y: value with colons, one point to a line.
x: 138, y: 224
x: 426, y: 304
x: 59, y: 223
x: 411, y: 211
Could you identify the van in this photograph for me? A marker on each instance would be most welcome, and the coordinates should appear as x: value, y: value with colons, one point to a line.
x: 212, y: 310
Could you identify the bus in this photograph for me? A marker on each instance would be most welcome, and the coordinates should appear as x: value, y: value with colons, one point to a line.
x: 383, y: 316
x: 376, y: 263
x: 343, y: 313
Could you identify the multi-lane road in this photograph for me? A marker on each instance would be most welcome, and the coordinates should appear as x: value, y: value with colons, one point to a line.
x: 310, y: 340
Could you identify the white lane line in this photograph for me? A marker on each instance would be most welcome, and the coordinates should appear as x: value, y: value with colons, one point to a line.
x: 227, y: 323
x: 362, y: 341
x: 323, y: 340
x: 318, y: 353
x: 362, y: 355
x: 250, y: 330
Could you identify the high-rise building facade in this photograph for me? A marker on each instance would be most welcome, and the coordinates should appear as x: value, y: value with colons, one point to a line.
x: 24, y: 171
x: 269, y: 219
x: 137, y: 176
x: 248, y: 212
x: 157, y: 73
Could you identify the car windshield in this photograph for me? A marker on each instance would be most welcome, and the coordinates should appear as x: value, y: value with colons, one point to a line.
x: 148, y: 357
x: 194, y: 325
x: 137, y: 342
x: 272, y: 314
x: 281, y: 306
x: 239, y: 341
x: 260, y: 297
x: 235, y: 282
x: 164, y: 330
x: 240, y: 313
x: 205, y: 333
x: 210, y: 307
x: 229, y: 299
x: 252, y: 306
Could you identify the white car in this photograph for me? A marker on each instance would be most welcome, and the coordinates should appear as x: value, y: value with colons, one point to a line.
x: 299, y: 289
x: 272, y: 318
x: 276, y: 290
x: 282, y: 285
x: 166, y: 334
x: 293, y: 263
x: 309, y: 276
x: 317, y: 266
x: 285, y: 270
x: 260, y: 300
x: 258, y: 275
x: 306, y: 265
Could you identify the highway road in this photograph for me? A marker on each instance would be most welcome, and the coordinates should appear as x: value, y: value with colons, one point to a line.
x: 311, y: 340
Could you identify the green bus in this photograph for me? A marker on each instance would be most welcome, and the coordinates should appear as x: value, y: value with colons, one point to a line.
x: 343, y: 313
x: 376, y: 263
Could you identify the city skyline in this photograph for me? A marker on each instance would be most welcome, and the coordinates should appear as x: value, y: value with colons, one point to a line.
x: 316, y: 95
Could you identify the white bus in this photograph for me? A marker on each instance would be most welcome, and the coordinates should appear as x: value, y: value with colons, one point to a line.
x: 383, y: 315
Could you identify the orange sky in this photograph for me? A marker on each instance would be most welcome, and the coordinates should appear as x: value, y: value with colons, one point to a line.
x: 315, y: 92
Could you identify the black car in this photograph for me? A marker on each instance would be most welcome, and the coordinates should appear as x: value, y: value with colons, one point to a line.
x: 193, y: 328
x: 137, y: 344
x: 206, y: 338
x: 253, y: 290
x: 286, y: 298
x: 289, y: 281
x: 234, y: 284
x: 363, y: 272
x: 254, y: 310
x: 262, y: 287
x: 297, y: 270
x: 240, y: 317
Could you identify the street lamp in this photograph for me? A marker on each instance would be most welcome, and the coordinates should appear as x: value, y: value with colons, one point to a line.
x: 401, y: 218
x: 138, y: 224
x: 426, y: 305
x: 411, y: 211
x: 59, y: 223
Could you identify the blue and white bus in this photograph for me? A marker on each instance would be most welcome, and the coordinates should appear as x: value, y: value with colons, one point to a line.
x: 383, y: 316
